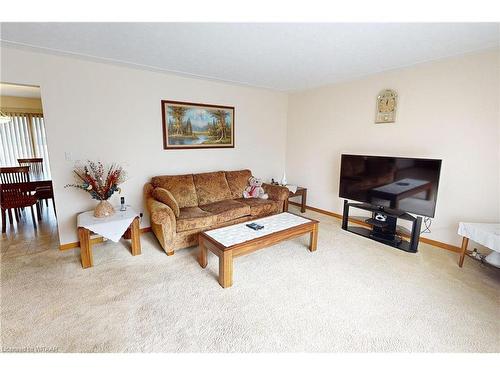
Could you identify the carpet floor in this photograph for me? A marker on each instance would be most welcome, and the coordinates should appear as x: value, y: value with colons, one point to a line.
x: 351, y: 295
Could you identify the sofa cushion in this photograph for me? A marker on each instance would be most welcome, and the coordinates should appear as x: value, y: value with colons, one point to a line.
x: 194, y: 218
x: 238, y: 181
x: 211, y: 187
x: 165, y: 196
x: 227, y: 210
x: 261, y: 207
x: 181, y: 187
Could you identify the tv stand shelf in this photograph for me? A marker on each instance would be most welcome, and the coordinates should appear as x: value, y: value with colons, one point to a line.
x: 383, y: 225
x: 376, y: 223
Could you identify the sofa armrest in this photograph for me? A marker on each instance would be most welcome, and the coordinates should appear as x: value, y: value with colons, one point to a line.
x: 275, y: 192
x: 163, y: 221
x: 161, y: 214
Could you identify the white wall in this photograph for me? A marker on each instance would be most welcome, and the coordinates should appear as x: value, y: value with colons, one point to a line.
x: 447, y: 109
x: 113, y: 113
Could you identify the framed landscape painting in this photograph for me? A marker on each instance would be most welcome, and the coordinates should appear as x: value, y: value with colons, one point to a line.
x: 195, y: 125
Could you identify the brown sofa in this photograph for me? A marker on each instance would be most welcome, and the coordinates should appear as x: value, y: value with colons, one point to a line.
x: 184, y: 205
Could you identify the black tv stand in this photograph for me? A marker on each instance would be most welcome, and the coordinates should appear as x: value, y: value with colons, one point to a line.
x: 381, y: 227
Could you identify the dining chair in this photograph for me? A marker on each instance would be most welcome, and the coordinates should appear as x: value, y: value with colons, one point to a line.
x: 15, y: 193
x: 45, y: 193
x: 42, y: 193
x: 35, y: 165
x: 13, y: 175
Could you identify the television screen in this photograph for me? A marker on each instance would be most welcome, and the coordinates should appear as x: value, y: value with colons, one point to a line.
x: 405, y: 184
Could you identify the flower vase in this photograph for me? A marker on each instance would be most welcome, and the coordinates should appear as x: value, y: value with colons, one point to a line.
x: 103, y: 209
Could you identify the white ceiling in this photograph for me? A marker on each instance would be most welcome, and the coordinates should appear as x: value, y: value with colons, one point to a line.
x: 7, y: 89
x: 283, y: 56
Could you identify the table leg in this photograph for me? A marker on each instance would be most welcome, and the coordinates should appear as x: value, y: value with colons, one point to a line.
x: 85, y: 248
x: 226, y: 268
x: 285, y: 205
x: 54, y: 206
x: 303, y: 205
x: 135, y: 236
x: 428, y: 194
x: 127, y: 235
x: 39, y: 210
x: 4, y: 218
x: 33, y: 217
x: 9, y: 212
x: 313, y: 243
x: 393, y: 203
x: 202, y: 256
x: 465, y: 242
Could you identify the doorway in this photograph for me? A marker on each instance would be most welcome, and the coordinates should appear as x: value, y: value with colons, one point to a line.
x: 29, y: 219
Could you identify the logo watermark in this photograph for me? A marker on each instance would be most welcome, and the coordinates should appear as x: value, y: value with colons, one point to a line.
x: 30, y: 349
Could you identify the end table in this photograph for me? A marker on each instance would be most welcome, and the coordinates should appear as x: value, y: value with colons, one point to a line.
x: 112, y: 227
x: 301, y: 191
x: 486, y: 234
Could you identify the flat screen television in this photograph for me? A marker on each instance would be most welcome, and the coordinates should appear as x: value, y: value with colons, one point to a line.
x: 406, y: 184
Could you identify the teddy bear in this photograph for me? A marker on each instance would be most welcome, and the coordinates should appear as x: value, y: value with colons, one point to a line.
x: 255, y: 189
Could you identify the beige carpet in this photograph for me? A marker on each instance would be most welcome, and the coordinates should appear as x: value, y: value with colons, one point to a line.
x: 352, y: 294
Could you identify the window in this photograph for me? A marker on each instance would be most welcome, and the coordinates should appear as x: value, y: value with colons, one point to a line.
x: 23, y: 137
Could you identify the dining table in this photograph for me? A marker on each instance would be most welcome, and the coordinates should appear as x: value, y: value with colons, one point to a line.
x: 36, y: 181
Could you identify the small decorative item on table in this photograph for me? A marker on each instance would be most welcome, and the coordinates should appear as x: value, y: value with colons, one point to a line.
x: 101, y: 185
x: 284, y: 182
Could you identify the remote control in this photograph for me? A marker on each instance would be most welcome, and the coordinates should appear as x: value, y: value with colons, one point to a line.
x: 255, y: 226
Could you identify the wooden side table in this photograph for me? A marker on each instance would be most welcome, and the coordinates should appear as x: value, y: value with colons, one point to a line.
x: 486, y: 234
x: 103, y: 227
x: 302, y: 192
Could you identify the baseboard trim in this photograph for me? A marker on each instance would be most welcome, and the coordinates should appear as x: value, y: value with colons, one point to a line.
x: 72, y: 245
x: 441, y: 245
x: 428, y: 241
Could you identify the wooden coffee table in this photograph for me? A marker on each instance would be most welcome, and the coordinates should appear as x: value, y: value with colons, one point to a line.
x: 237, y: 240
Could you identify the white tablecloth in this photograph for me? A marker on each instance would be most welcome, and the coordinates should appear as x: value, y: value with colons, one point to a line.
x: 485, y: 234
x: 111, y: 227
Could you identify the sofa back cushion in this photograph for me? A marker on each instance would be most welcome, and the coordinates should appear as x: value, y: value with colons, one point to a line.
x: 211, y: 187
x: 238, y: 181
x: 181, y: 187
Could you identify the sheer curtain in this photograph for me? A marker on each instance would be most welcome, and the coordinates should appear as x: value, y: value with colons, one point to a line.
x: 23, y: 137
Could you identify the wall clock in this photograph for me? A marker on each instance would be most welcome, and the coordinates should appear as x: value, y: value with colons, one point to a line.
x: 386, y: 106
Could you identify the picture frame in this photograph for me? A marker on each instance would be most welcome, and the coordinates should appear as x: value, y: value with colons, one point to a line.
x: 189, y: 125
